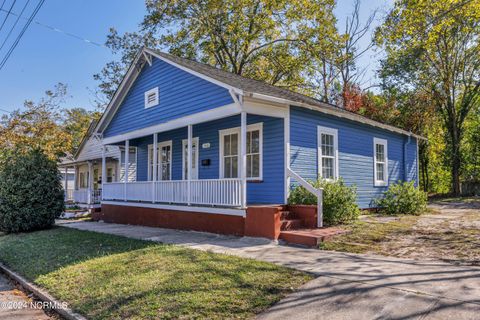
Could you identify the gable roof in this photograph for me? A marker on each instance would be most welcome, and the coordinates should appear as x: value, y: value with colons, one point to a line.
x: 246, y: 86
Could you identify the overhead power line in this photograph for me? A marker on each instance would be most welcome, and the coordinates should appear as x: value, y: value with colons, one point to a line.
x: 8, y: 13
x: 25, y: 27
x: 14, y: 25
x: 52, y: 28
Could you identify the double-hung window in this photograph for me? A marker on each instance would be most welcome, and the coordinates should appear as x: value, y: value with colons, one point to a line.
x: 380, y: 155
x: 327, y: 153
x: 230, y: 152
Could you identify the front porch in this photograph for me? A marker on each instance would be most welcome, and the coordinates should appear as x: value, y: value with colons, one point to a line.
x: 225, y: 163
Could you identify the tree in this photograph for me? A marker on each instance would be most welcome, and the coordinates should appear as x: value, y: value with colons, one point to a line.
x: 31, y: 192
x: 433, y: 46
x: 76, y: 123
x: 45, y: 125
x: 260, y: 39
x: 38, y: 126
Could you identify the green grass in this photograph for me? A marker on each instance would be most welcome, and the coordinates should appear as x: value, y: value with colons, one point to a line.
x: 367, y: 236
x: 110, y: 277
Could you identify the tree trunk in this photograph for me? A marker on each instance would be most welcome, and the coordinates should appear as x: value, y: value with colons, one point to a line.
x: 456, y: 160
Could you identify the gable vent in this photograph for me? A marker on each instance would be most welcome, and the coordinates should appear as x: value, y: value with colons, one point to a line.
x: 151, y: 98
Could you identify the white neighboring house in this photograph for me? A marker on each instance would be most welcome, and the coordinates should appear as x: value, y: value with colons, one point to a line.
x: 82, y: 172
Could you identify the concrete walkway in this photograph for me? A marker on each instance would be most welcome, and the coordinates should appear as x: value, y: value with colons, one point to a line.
x: 348, y: 286
x: 15, y: 305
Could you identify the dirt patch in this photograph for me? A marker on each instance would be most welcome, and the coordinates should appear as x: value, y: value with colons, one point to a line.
x: 449, y: 232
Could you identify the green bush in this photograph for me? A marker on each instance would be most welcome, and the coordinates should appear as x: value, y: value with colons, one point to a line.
x: 402, y: 198
x: 339, y: 200
x: 31, y: 194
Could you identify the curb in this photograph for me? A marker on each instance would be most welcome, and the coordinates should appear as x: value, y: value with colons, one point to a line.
x: 41, y: 294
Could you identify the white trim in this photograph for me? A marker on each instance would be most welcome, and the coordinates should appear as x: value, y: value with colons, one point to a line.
x: 225, y: 211
x: 195, y: 73
x: 262, y: 109
x: 155, y: 102
x: 205, y: 116
x: 330, y: 131
x: 196, y: 141
x: 286, y: 137
x: 251, y: 127
x: 122, y: 148
x: 159, y: 147
x: 380, y: 183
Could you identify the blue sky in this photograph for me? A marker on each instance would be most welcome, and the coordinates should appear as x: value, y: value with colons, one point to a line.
x: 45, y: 57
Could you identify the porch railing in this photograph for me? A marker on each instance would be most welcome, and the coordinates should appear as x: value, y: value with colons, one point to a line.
x: 317, y: 192
x: 215, y: 192
x: 86, y: 196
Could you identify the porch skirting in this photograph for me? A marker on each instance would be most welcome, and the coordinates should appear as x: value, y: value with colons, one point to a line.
x: 261, y: 221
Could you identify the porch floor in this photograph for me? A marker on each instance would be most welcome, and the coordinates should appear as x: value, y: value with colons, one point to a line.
x: 310, y: 237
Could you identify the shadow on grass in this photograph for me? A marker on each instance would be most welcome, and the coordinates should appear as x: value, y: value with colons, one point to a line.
x: 106, y: 276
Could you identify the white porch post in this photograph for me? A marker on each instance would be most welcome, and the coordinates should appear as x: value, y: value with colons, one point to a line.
x: 125, y: 176
x: 104, y: 168
x: 189, y: 163
x: 65, y: 183
x: 75, y: 182
x: 286, y: 133
x: 243, y: 157
x: 90, y: 182
x: 155, y: 166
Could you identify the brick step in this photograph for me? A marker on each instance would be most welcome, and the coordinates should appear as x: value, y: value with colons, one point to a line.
x: 310, y: 237
x: 291, y: 224
x: 287, y: 215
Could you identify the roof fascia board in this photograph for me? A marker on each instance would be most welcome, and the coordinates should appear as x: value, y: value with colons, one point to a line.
x: 195, y: 73
x: 335, y: 113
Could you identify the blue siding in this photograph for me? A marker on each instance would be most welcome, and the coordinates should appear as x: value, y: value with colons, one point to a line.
x: 269, y: 190
x: 411, y: 163
x: 355, y: 148
x: 180, y: 93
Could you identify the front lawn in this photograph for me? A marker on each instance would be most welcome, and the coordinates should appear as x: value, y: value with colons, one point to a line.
x: 110, y: 277
x: 449, y: 231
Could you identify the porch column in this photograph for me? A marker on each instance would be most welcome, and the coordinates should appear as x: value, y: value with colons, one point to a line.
x: 189, y: 163
x: 155, y: 166
x: 104, y: 168
x: 75, y: 182
x: 243, y: 156
x: 90, y: 182
x: 125, y: 176
x: 65, y: 183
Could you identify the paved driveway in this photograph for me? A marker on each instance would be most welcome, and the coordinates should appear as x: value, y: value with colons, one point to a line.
x: 348, y: 286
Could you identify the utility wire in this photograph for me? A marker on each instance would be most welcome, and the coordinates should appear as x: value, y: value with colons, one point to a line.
x: 52, y: 28
x: 14, y: 25
x: 25, y: 27
x: 8, y: 14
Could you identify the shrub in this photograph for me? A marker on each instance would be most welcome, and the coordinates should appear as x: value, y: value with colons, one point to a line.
x: 339, y: 200
x: 402, y: 198
x: 31, y: 195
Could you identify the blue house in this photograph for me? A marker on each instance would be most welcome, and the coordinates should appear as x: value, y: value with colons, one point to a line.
x: 207, y: 147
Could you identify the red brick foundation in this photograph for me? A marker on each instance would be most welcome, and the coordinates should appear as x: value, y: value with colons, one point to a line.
x: 263, y: 221
x: 172, y: 219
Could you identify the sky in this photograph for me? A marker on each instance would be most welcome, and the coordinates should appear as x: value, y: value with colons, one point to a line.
x: 45, y: 57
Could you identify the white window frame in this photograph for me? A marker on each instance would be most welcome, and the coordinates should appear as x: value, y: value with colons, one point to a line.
x: 150, y: 160
x: 384, y: 142
x: 195, y: 141
x: 154, y: 102
x: 334, y: 132
x: 252, y: 127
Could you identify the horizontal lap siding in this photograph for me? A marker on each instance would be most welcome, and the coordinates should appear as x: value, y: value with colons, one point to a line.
x: 270, y: 190
x: 180, y: 94
x: 412, y: 165
x: 355, y: 144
